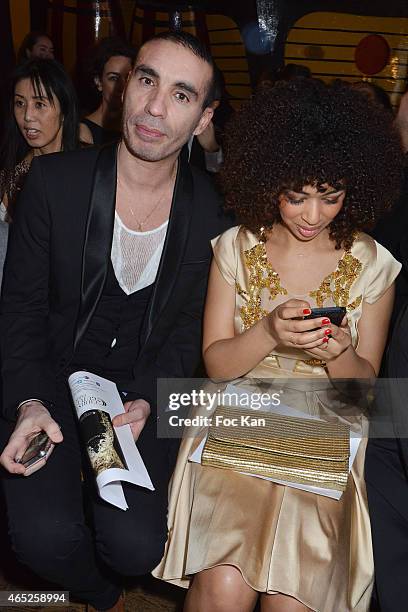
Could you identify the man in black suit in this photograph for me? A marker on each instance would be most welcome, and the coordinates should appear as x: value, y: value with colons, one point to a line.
x: 85, y: 287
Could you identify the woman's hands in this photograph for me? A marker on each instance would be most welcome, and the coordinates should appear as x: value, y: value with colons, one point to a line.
x: 337, y: 343
x: 319, y: 337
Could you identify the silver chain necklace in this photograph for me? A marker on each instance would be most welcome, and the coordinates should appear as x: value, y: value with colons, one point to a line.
x: 141, y: 223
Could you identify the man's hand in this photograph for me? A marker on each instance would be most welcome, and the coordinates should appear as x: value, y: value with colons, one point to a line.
x: 136, y: 414
x: 33, y: 418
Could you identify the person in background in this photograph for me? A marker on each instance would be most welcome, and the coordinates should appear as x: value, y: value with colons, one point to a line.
x: 42, y: 117
x: 110, y: 65
x: 36, y: 44
x: 205, y: 150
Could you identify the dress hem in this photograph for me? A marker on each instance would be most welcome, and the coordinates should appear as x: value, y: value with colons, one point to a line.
x: 178, y: 582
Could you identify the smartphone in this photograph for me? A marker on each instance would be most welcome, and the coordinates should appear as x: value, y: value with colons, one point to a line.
x: 37, y: 453
x: 334, y: 313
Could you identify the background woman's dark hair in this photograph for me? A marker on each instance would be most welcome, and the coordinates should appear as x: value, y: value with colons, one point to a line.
x: 98, y: 56
x: 107, y: 48
x: 28, y: 43
x: 304, y: 132
x: 48, y: 78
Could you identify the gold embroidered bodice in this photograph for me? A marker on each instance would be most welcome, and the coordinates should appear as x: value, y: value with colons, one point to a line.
x: 362, y: 274
x: 335, y: 287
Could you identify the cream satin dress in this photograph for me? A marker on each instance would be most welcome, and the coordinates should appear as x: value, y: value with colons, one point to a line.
x: 282, y: 539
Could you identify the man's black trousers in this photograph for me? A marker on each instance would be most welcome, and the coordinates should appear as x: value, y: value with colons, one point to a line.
x: 47, y: 525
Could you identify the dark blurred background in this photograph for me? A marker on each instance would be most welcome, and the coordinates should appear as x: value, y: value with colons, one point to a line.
x: 354, y: 39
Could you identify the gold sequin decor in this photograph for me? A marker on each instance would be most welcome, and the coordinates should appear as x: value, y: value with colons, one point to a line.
x: 261, y: 276
x: 335, y: 286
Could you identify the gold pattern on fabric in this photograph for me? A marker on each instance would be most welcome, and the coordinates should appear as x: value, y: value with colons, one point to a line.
x: 261, y: 276
x: 287, y: 448
x: 337, y: 284
x: 313, y: 361
x: 11, y: 182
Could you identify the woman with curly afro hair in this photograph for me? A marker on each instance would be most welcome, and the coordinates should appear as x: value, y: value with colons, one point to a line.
x: 308, y: 167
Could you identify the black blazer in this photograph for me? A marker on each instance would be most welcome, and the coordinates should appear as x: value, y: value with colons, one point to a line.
x: 56, y: 266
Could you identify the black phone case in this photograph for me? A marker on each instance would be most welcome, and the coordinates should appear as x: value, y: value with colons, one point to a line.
x: 334, y: 313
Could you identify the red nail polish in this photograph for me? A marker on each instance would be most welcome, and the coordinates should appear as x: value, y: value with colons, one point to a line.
x: 326, y: 322
x: 327, y: 332
x: 325, y: 339
x: 306, y: 311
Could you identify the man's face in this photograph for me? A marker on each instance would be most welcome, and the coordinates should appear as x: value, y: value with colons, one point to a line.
x: 163, y: 101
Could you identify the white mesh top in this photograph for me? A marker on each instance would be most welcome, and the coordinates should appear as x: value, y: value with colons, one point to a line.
x: 135, y: 255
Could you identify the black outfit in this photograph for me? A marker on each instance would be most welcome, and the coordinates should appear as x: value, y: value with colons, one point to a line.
x: 386, y: 473
x: 386, y: 463
x: 63, y: 309
x: 392, y: 231
x: 100, y: 136
x: 117, y: 321
x: 387, y: 491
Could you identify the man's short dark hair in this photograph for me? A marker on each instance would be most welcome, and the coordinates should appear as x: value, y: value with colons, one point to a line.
x: 191, y: 42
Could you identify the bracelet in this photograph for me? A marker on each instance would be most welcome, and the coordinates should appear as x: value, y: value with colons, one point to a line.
x: 32, y: 399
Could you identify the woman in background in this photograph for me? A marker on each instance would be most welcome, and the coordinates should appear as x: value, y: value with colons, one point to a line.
x: 42, y: 118
x: 111, y: 64
x: 36, y: 45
